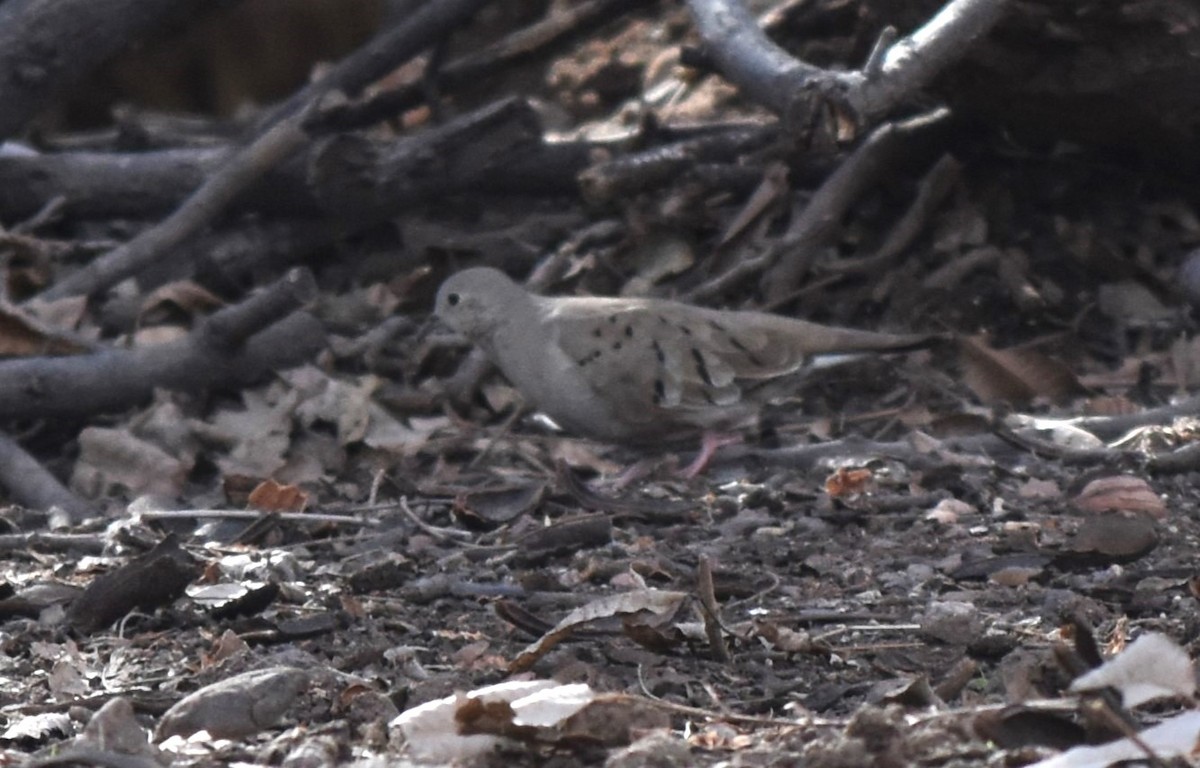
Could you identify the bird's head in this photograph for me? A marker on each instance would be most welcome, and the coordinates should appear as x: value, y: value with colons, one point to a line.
x: 475, y: 301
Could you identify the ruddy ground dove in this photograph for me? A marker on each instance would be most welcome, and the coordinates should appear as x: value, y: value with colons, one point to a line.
x: 639, y: 370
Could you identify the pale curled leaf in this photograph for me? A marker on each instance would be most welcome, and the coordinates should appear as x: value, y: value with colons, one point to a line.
x: 431, y: 730
x: 464, y: 726
x: 659, y: 603
x: 1060, y: 432
x: 1152, y: 667
x: 1177, y: 737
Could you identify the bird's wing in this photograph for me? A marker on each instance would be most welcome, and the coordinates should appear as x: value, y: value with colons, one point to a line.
x: 671, y: 356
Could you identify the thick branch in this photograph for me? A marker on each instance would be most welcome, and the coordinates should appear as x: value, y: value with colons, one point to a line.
x: 777, y: 80
x: 748, y: 58
x: 412, y: 169
x: 245, y: 167
x: 211, y: 356
x: 31, y: 485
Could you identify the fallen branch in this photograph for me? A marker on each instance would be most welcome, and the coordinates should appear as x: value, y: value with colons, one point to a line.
x: 895, y: 72
x: 246, y: 166
x: 442, y: 160
x: 31, y: 485
x: 234, y: 347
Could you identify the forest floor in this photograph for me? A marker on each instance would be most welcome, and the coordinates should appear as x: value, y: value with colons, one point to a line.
x: 908, y: 566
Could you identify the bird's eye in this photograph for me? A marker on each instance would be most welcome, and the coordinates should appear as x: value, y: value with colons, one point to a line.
x: 452, y: 299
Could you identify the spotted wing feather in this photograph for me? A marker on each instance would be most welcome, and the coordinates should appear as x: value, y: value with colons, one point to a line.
x: 669, y: 356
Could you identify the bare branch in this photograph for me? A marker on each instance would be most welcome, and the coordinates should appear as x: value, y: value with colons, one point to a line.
x: 211, y: 356
x: 894, y: 73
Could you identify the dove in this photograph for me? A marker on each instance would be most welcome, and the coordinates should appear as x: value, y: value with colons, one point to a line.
x: 640, y: 370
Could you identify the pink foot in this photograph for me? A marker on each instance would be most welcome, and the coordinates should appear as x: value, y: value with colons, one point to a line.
x: 633, y: 474
x: 710, y: 443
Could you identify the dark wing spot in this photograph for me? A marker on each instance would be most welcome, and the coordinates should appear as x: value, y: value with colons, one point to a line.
x: 686, y: 331
x: 701, y: 368
x: 629, y: 331
x: 740, y: 347
x: 718, y: 326
x: 588, y: 358
x: 662, y: 319
x: 612, y: 319
x: 660, y: 391
x: 658, y: 352
x: 616, y: 345
x: 597, y: 333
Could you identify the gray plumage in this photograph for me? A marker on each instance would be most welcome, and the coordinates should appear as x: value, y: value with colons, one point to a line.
x: 639, y: 370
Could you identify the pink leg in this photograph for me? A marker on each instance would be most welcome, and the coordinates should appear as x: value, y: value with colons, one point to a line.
x: 710, y: 443
x: 633, y: 474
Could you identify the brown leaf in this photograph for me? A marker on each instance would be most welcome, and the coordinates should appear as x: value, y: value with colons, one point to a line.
x: 270, y: 496
x: 22, y: 336
x: 491, y: 507
x: 179, y: 298
x: 1109, y: 405
x: 773, y: 187
x: 111, y: 458
x: 848, y: 482
x: 1015, y: 375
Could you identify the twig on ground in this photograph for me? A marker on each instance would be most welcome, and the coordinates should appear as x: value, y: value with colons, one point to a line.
x: 251, y: 514
x: 40, y: 541
x: 818, y: 224
x: 31, y: 485
x: 712, y: 610
x: 931, y: 192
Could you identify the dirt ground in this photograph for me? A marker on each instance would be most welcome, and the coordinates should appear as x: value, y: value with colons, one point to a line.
x: 907, y: 563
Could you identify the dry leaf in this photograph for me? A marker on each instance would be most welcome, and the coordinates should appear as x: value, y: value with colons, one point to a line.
x: 111, y: 458
x: 657, y: 255
x: 1175, y: 737
x: 948, y: 511
x: 23, y: 336
x: 179, y: 298
x: 1015, y: 375
x: 659, y: 603
x: 270, y: 496
x: 1115, y: 537
x: 849, y: 482
x: 772, y: 188
x: 458, y: 728
x: 1152, y: 667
